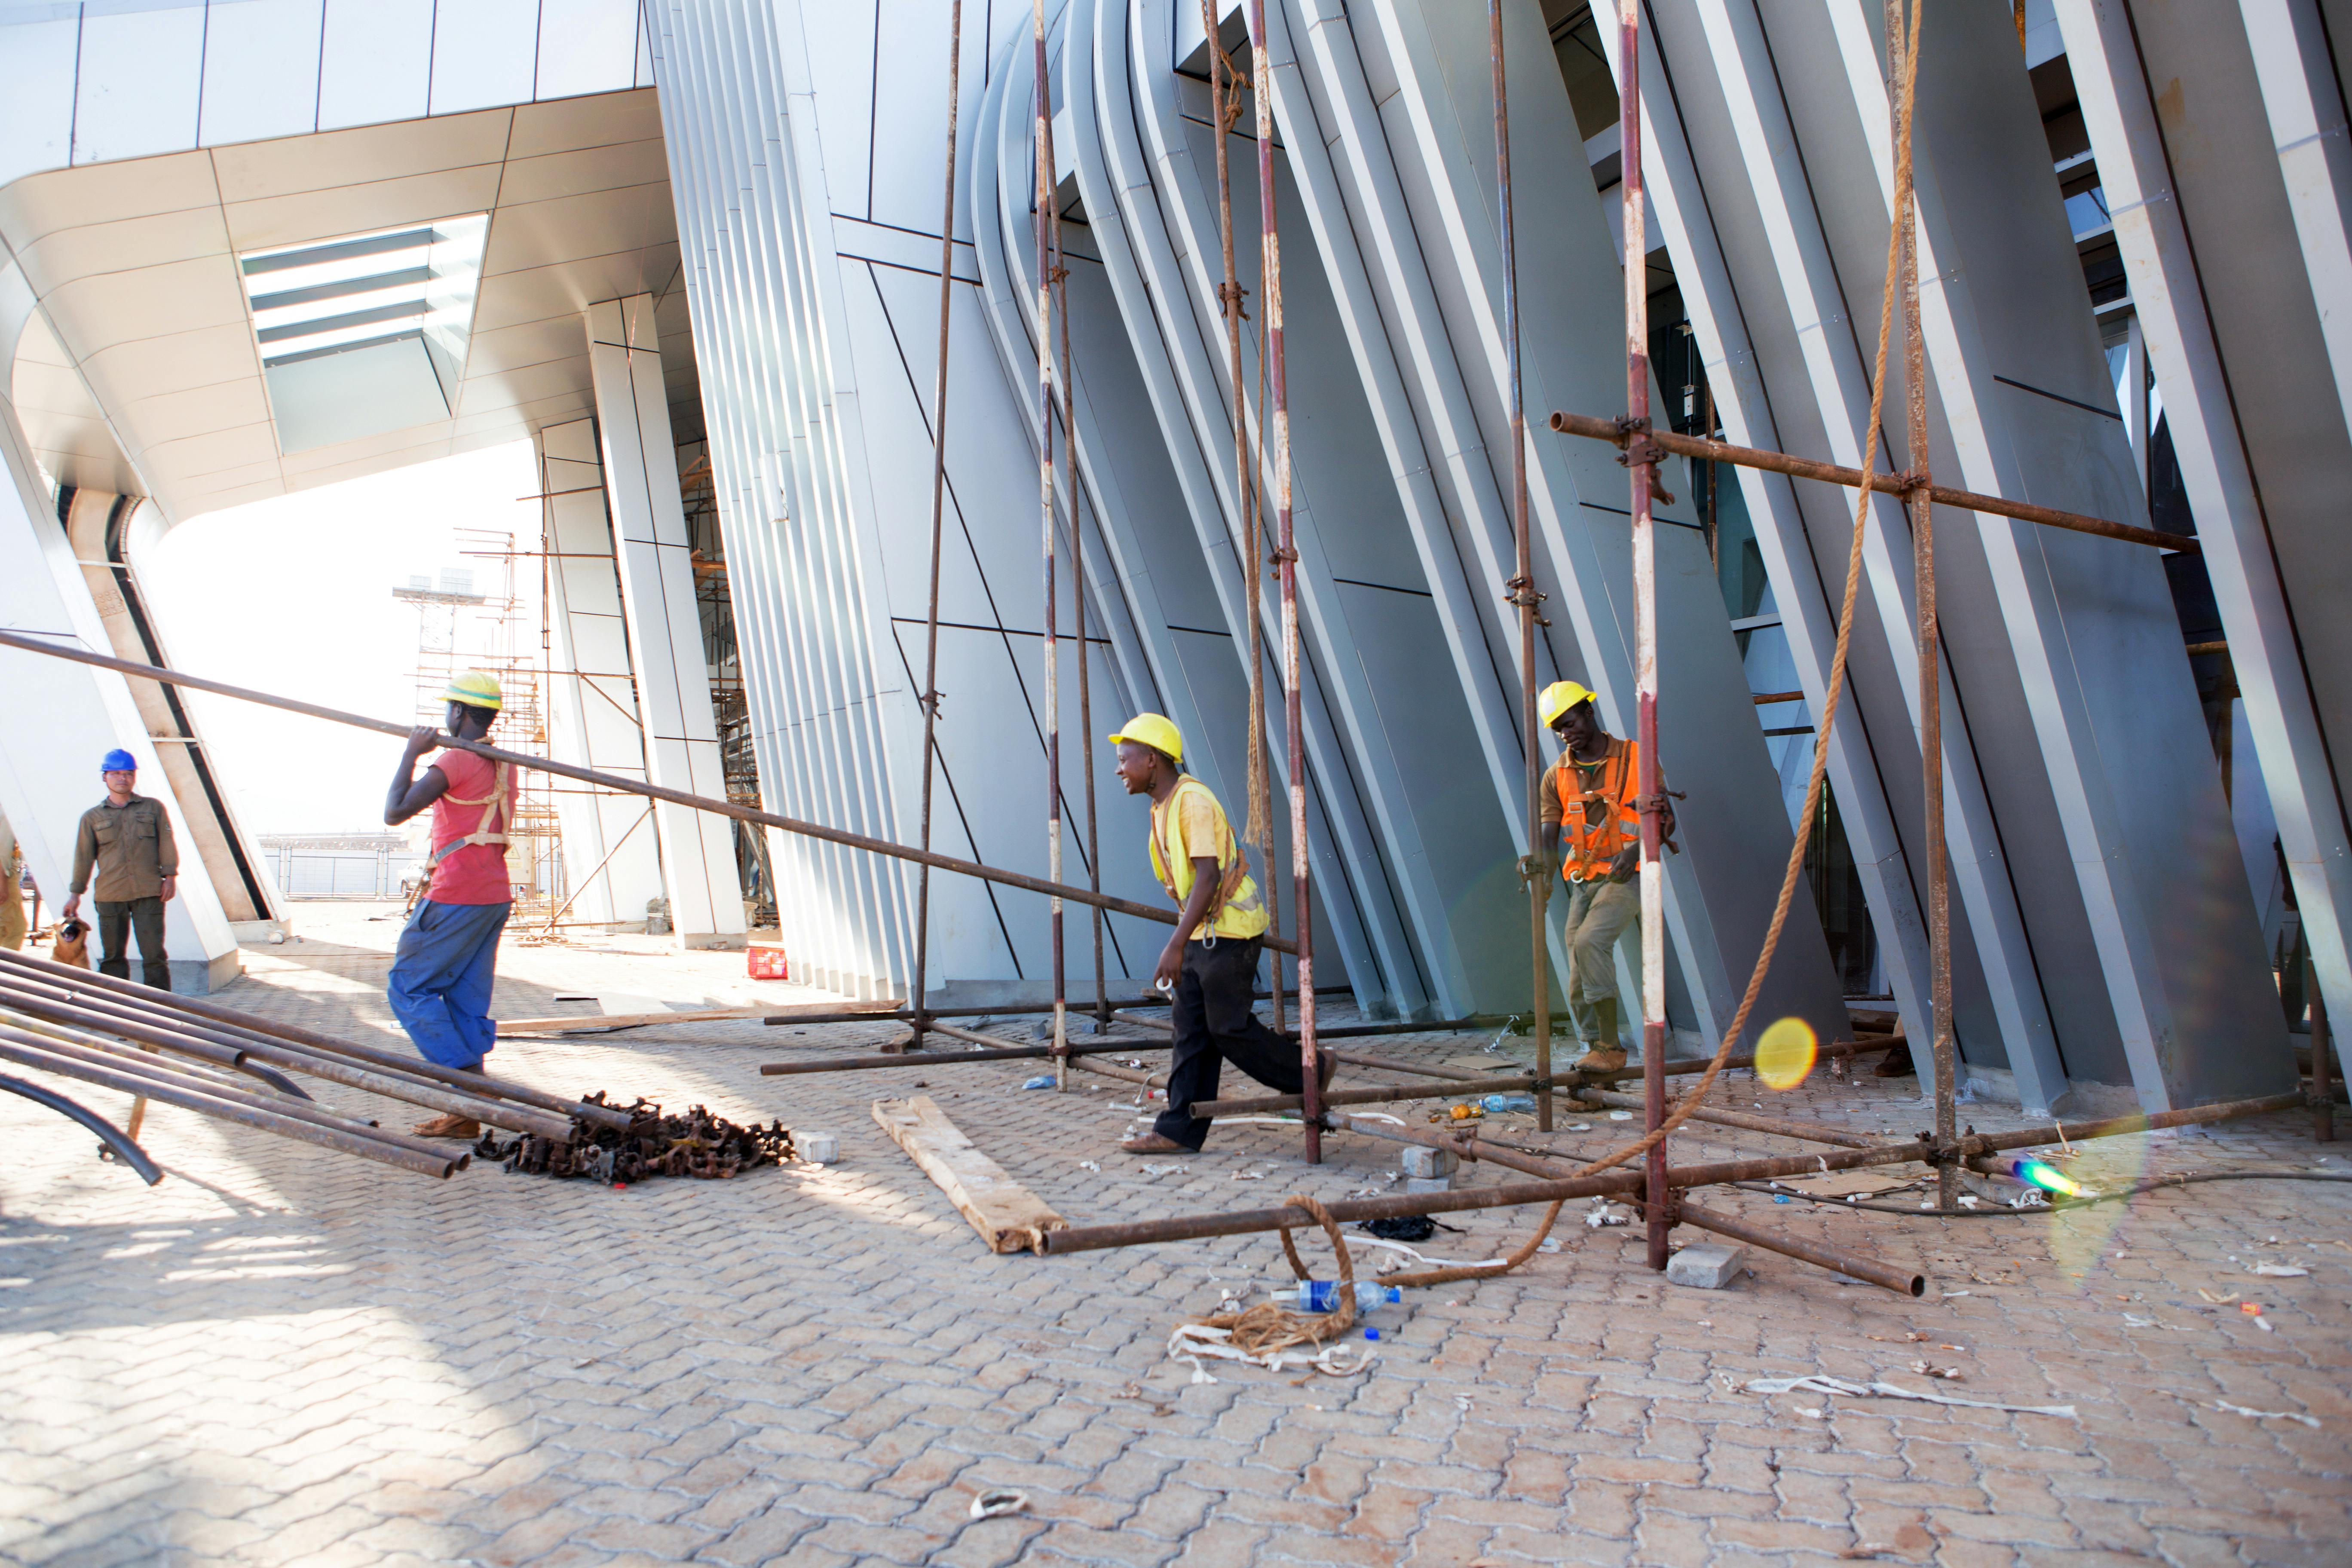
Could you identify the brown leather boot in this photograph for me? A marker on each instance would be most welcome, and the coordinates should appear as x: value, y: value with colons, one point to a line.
x: 464, y: 1127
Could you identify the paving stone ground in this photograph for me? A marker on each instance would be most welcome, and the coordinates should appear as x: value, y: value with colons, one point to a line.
x: 281, y: 1356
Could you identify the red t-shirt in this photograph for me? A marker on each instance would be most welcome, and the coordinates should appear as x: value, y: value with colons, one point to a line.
x: 472, y: 873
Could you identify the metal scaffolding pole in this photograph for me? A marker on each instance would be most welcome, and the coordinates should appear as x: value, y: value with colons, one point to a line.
x: 1045, y: 239
x: 939, y: 514
x: 1656, y: 1210
x: 1287, y: 555
x: 1522, y: 586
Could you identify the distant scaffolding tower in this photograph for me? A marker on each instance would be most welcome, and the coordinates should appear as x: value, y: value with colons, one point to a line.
x: 459, y: 628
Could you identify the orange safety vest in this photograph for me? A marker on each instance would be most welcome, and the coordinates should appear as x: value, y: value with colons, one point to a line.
x: 1597, y: 815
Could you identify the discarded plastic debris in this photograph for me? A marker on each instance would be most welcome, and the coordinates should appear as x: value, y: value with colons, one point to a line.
x: 2278, y: 1270
x: 1165, y: 1170
x: 1409, y: 1227
x: 1499, y: 1103
x: 1621, y: 1116
x: 1818, y: 1384
x: 1042, y: 1081
x: 1323, y: 1296
x: 2310, y: 1421
x: 1600, y: 1215
x: 997, y: 1504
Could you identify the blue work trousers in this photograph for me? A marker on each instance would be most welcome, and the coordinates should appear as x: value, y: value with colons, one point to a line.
x: 440, y: 981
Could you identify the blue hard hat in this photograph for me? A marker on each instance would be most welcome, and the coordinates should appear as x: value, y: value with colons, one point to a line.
x: 118, y: 761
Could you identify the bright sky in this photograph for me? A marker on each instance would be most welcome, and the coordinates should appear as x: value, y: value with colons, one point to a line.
x: 293, y: 596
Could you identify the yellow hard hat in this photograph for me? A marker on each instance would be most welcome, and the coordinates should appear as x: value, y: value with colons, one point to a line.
x: 1154, y: 730
x: 1558, y: 699
x: 474, y: 689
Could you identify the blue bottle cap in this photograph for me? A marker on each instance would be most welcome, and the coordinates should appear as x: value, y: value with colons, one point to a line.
x: 1372, y: 1334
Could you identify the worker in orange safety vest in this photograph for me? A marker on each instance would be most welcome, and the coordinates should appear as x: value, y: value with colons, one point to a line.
x: 1591, y: 814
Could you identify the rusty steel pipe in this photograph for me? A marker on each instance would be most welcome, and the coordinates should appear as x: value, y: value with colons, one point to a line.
x: 1421, y: 1069
x: 955, y: 1059
x: 1811, y: 1132
x: 619, y: 785
x: 124, y: 1147
x: 1886, y: 484
x: 1903, y: 1282
x: 1432, y: 1089
x: 1620, y: 1182
x: 230, y: 1109
x: 100, y: 1011
x: 142, y: 1064
x: 270, y: 1029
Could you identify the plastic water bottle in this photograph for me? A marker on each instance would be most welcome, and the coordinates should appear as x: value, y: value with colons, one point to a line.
x: 1323, y: 1296
x: 1509, y: 1102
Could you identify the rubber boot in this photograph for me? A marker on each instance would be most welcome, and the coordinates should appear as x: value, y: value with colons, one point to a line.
x: 1605, y: 1054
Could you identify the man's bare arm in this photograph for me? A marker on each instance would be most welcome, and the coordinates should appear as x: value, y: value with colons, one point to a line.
x: 409, y: 794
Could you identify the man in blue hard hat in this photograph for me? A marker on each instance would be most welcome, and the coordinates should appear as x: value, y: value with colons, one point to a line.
x: 446, y: 960
x: 126, y: 839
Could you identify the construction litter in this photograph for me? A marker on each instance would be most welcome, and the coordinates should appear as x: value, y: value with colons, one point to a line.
x: 696, y: 1144
x: 1818, y: 1384
x: 2310, y: 1421
x: 997, y: 1504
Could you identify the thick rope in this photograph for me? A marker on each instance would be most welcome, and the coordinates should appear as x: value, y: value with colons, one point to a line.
x: 1261, y: 1330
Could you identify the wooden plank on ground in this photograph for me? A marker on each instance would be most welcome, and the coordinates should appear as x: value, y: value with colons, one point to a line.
x: 1008, y: 1215
x: 601, y: 1023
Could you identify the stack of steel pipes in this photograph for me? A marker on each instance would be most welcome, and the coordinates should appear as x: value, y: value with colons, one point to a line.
x: 201, y: 1057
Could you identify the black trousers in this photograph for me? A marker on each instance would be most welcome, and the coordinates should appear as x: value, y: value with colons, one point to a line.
x: 1214, y: 1025
x: 115, y: 921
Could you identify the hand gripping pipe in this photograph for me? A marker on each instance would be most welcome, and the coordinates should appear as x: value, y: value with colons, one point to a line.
x: 29, y: 643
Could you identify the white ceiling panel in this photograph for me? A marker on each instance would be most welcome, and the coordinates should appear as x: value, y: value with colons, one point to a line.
x: 375, y: 62
x: 569, y: 287
x: 175, y: 363
x: 261, y: 71
x: 533, y: 342
x: 214, y: 452
x: 125, y: 245
x: 64, y: 198
x: 606, y: 168
x: 586, y: 46
x: 176, y: 415
x: 36, y: 111
x: 600, y: 121
x: 139, y: 81
x: 483, y: 52
x: 338, y: 160
x: 547, y: 232
x: 313, y: 215
x: 526, y: 383
x: 98, y: 312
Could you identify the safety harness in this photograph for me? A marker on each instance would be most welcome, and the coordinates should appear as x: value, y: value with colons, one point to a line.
x: 497, y: 803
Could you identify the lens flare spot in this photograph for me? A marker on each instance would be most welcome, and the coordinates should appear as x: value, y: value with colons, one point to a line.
x: 2046, y: 1176
x: 1785, y: 1053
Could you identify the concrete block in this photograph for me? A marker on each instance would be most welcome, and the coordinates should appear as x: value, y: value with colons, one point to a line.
x: 817, y: 1148
x: 1443, y: 1183
x: 1428, y: 1163
x: 1707, y: 1266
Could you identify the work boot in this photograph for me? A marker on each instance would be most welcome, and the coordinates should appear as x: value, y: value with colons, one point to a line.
x: 1604, y: 1054
x: 1155, y: 1144
x: 464, y: 1127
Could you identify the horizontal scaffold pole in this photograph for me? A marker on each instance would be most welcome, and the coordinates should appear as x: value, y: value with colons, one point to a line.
x: 30, y: 644
x: 1619, y: 434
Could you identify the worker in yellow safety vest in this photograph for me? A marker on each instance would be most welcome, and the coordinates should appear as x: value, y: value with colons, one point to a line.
x: 1591, y: 817
x: 1209, y: 967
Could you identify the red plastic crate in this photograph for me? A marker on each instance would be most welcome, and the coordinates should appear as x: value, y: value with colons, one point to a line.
x: 766, y: 960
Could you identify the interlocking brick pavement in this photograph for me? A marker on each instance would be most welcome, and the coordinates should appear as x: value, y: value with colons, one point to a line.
x: 280, y: 1356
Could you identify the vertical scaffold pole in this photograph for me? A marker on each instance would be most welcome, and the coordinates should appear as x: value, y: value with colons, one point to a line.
x: 1286, y: 554
x: 1523, y: 584
x: 1224, y: 107
x: 921, y: 1018
x: 1645, y: 630
x: 1045, y: 513
x: 1902, y: 97
x: 1078, y: 602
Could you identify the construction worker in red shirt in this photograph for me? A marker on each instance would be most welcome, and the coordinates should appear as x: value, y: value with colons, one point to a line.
x: 1590, y: 812
x: 446, y: 961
